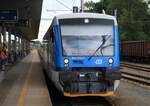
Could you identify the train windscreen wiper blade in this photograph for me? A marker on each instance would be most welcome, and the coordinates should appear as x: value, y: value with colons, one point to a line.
x: 103, y: 42
x: 105, y: 47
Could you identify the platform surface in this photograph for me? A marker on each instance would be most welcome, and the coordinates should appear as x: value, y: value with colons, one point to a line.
x: 24, y: 84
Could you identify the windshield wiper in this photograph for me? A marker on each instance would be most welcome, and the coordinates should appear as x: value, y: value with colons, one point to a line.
x: 103, y: 42
x: 105, y: 47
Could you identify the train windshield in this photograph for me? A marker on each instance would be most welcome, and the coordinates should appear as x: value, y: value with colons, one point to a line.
x: 87, y: 37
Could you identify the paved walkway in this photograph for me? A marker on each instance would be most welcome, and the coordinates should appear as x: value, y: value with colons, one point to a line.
x: 24, y: 84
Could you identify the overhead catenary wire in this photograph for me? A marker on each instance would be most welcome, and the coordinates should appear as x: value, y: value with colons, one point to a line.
x: 57, y: 10
x: 73, y: 3
x: 64, y: 5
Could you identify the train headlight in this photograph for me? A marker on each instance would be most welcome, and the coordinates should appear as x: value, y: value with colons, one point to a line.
x: 110, y: 61
x: 66, y: 61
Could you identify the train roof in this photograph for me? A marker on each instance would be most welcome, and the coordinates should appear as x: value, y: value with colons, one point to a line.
x: 84, y: 15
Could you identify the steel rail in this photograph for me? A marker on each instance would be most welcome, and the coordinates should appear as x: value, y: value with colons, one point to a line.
x: 136, y: 77
x: 134, y: 66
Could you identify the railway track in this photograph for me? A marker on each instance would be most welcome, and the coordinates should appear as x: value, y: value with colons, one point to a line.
x: 134, y: 66
x: 139, y: 78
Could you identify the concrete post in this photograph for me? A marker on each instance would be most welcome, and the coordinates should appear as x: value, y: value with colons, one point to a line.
x: 0, y: 35
x: 28, y: 46
x: 9, y: 40
x: 25, y: 47
x: 19, y: 44
x: 4, y: 44
x: 4, y: 35
x: 22, y: 46
x: 9, y: 44
x: 15, y: 43
x: 20, y: 50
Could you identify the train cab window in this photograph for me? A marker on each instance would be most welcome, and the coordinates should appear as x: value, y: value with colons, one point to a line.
x: 51, y: 45
x: 82, y: 37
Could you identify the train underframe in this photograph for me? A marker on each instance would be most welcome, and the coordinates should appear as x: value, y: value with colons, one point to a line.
x: 84, y: 82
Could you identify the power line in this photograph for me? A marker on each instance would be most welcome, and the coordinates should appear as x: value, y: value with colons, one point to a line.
x: 63, y: 4
x: 57, y: 10
x: 73, y: 2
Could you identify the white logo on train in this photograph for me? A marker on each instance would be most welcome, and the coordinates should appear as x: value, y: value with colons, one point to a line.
x: 98, y: 61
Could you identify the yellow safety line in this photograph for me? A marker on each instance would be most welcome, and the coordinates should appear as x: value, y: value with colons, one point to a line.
x: 21, y: 101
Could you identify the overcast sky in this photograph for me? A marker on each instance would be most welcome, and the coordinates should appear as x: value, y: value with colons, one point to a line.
x: 48, y: 12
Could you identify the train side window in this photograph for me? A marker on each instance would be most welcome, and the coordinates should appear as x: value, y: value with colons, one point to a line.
x: 52, y: 39
x: 52, y: 35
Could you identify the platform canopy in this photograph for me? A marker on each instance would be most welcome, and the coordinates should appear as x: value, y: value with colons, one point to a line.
x: 28, y: 16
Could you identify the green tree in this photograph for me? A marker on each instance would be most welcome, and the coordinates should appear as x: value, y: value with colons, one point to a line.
x: 96, y: 7
x: 133, y: 17
x: 90, y: 5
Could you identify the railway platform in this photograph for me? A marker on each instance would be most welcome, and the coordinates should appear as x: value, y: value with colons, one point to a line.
x: 24, y: 84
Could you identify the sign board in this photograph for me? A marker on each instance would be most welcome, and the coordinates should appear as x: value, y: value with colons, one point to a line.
x: 8, y: 15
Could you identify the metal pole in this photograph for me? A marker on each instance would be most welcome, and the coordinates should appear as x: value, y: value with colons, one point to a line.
x: 115, y: 13
x: 82, y: 5
x: 102, y: 4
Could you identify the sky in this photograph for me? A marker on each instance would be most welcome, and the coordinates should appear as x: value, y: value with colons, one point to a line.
x: 51, y: 8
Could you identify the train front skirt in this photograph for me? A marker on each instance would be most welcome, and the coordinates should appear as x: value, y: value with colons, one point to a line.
x: 89, y: 83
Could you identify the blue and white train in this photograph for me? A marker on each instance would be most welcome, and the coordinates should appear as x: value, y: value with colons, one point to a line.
x: 81, y: 54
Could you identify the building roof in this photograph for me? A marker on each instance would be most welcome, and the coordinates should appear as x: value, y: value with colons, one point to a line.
x: 29, y: 11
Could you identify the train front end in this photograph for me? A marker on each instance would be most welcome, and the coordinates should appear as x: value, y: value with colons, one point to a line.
x: 88, y: 61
